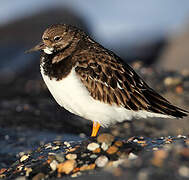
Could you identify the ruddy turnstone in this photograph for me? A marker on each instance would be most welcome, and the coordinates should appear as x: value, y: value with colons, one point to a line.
x: 91, y: 81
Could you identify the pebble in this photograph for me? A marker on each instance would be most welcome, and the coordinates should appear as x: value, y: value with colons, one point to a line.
x: 97, y: 150
x: 28, y: 170
x: 92, y: 146
x: 168, y: 81
x: 55, y: 147
x: 104, y: 146
x: 184, y: 171
x: 53, y: 165
x: 24, y: 157
x: 112, y: 150
x: 106, y: 138
x: 87, y: 167
x: 67, y: 166
x: 71, y: 156
x: 47, y: 146
x: 132, y: 156
x: 60, y: 157
x: 92, y: 156
x: 67, y: 144
x: 159, y: 157
x: 118, y: 143
x: 101, y: 161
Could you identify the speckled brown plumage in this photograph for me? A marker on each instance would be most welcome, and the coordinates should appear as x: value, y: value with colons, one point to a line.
x: 107, y: 78
x: 111, y: 81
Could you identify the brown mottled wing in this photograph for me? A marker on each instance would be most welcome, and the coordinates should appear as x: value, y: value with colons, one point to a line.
x: 111, y: 81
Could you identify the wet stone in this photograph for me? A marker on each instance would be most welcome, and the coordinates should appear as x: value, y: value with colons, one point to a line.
x: 92, y: 146
x: 104, y: 146
x: 112, y: 150
x: 67, y: 166
x: 87, y: 167
x: 106, y: 138
x: 24, y: 157
x: 101, y: 161
x: 83, y: 161
x: 60, y: 157
x: 53, y: 165
x: 71, y: 156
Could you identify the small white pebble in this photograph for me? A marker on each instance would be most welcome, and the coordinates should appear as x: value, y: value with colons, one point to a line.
x: 55, y: 147
x: 82, y: 135
x: 93, y: 156
x: 7, y: 137
x: 92, y: 146
x: 184, y: 171
x: 83, y: 155
x: 20, y: 167
x: 132, y: 156
x: 155, y: 149
x: 101, y: 161
x: 47, y: 146
x: 104, y: 146
x: 24, y: 157
x: 67, y: 144
x: 71, y: 156
x: 135, y: 140
x: 53, y: 165
x: 181, y: 136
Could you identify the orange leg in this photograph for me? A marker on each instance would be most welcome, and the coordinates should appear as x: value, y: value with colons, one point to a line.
x: 96, y: 127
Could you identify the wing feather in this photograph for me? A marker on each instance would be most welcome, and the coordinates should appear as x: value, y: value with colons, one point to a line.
x: 110, y: 80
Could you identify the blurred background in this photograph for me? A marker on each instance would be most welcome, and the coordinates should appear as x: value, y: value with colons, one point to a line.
x: 151, y: 35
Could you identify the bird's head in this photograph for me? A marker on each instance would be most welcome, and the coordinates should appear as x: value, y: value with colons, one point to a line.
x: 56, y: 38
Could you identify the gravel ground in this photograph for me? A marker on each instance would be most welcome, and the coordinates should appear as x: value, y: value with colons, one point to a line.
x: 29, y: 118
x: 138, y: 157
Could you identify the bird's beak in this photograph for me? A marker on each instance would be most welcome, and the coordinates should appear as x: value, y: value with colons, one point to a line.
x: 38, y: 47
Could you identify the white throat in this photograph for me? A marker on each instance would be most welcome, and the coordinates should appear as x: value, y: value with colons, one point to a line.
x: 48, y: 50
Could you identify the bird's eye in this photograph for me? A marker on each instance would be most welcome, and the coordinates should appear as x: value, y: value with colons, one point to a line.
x: 57, y: 38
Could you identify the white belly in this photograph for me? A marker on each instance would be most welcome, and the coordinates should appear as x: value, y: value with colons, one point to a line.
x: 73, y: 96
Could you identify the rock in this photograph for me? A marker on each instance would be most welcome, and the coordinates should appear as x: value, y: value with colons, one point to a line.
x: 132, y: 156
x: 71, y: 156
x: 118, y: 143
x: 53, y: 165
x: 97, y: 150
x: 184, y: 171
x: 159, y: 157
x: 101, y: 161
x: 106, y: 138
x: 112, y: 150
x: 67, y: 166
x: 60, y: 157
x: 104, y: 146
x: 87, y: 167
x: 93, y: 156
x: 24, y: 157
x: 92, y: 146
x: 172, y: 81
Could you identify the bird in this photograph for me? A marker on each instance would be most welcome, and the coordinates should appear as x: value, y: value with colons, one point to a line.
x: 94, y: 83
